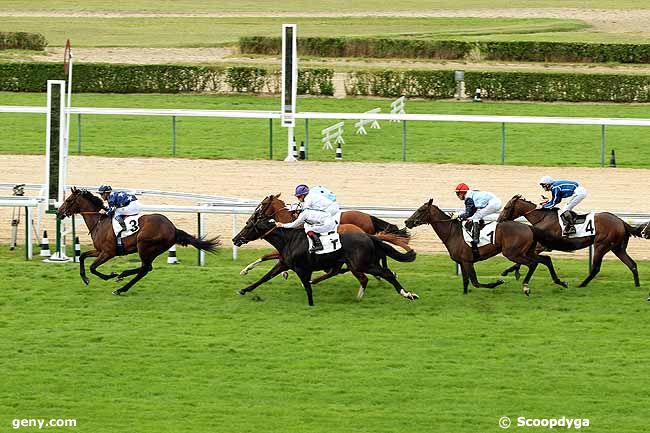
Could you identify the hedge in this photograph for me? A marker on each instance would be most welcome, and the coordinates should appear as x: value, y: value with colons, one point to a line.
x: 22, y: 41
x: 529, y: 51
x: 115, y: 78
x: 421, y: 84
x: 530, y: 86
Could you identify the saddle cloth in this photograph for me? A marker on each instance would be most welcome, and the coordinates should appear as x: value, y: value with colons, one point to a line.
x: 486, y: 237
x: 331, y: 242
x: 585, y: 225
x: 132, y: 226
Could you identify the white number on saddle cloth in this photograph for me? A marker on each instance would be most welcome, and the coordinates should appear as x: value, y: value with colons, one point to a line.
x: 586, y: 228
x: 331, y: 243
x: 132, y: 226
x: 486, y: 237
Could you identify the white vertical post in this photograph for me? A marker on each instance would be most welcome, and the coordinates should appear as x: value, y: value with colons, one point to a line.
x: 201, y: 233
x: 289, y: 84
x: 28, y: 232
x: 234, y: 233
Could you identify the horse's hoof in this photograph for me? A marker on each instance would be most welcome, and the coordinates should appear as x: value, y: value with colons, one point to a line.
x: 504, y: 273
x: 285, y: 275
x: 116, y: 292
x: 243, y: 272
x: 114, y: 274
x: 241, y: 292
x: 413, y: 296
x: 564, y: 284
x: 499, y: 282
x: 119, y: 278
x: 526, y: 291
x: 85, y: 280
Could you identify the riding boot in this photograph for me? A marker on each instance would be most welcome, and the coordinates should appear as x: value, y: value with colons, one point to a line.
x: 317, y: 245
x: 569, y: 223
x: 476, y: 232
x: 120, y: 245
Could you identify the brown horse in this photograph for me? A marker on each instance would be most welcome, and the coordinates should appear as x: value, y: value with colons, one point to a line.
x: 273, y: 207
x: 612, y: 234
x: 156, y: 235
x: 515, y: 240
x: 367, y: 223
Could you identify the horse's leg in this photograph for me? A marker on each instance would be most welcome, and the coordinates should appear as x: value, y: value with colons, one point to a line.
x: 101, y: 259
x: 305, y: 278
x: 274, y: 271
x: 127, y: 273
x: 334, y: 271
x: 546, y: 261
x: 363, y: 283
x: 465, y: 275
x: 82, y: 268
x: 270, y: 256
x: 141, y: 272
x: 474, y: 279
x: 621, y: 253
x: 599, y: 252
x: 514, y: 268
x: 379, y: 271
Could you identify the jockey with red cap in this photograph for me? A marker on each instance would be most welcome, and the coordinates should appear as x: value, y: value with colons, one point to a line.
x: 478, y: 205
x: 319, y: 213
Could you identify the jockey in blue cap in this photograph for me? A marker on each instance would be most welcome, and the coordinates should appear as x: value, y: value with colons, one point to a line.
x: 120, y: 205
x: 563, y: 189
x: 318, y: 214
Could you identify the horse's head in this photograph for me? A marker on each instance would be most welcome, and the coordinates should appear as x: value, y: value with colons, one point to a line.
x: 79, y: 200
x: 516, y: 207
x: 421, y: 216
x: 260, y: 222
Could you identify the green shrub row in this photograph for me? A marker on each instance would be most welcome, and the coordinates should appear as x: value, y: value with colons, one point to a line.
x: 529, y: 51
x: 22, y: 41
x: 527, y: 86
x: 113, y: 78
x: 420, y: 84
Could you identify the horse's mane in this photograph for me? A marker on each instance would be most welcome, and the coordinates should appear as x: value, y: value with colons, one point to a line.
x: 92, y: 198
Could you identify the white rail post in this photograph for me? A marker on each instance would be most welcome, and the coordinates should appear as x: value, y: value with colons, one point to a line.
x: 200, y: 226
x: 234, y: 233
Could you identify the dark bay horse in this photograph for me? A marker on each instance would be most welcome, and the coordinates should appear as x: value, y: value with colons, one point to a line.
x: 612, y: 234
x: 515, y: 240
x: 273, y: 207
x: 367, y: 223
x: 156, y: 235
x: 362, y: 253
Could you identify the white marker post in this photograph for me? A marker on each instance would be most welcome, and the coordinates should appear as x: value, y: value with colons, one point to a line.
x: 289, y: 84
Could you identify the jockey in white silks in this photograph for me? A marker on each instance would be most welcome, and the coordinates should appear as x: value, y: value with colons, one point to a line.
x: 319, y: 213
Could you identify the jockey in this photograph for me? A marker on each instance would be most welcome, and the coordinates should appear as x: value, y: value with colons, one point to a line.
x: 120, y: 205
x: 562, y: 189
x: 478, y: 204
x: 319, y: 209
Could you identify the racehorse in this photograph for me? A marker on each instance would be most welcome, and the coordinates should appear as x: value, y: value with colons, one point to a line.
x: 515, y: 240
x: 367, y: 223
x: 155, y: 236
x: 273, y: 207
x: 363, y: 253
x: 612, y: 234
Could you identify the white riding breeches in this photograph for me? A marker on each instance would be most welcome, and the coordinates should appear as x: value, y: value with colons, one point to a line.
x: 132, y: 208
x: 493, y: 206
x: 319, y: 221
x: 578, y: 195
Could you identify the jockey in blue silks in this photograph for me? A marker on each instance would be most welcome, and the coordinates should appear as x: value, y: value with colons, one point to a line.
x: 563, y: 189
x: 120, y: 204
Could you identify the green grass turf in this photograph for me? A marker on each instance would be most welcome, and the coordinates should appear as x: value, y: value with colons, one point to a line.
x: 267, y: 6
x: 201, y: 32
x: 444, y: 142
x: 182, y: 352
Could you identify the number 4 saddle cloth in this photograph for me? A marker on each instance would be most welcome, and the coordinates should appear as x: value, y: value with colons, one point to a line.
x: 584, y: 224
x: 132, y: 226
x: 486, y: 236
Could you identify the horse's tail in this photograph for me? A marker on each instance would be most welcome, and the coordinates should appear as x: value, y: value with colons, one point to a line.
x: 185, y: 239
x: 391, y: 252
x: 640, y: 231
x: 400, y: 241
x: 386, y: 227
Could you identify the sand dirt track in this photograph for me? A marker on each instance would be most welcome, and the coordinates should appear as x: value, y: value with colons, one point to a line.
x: 384, y: 184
